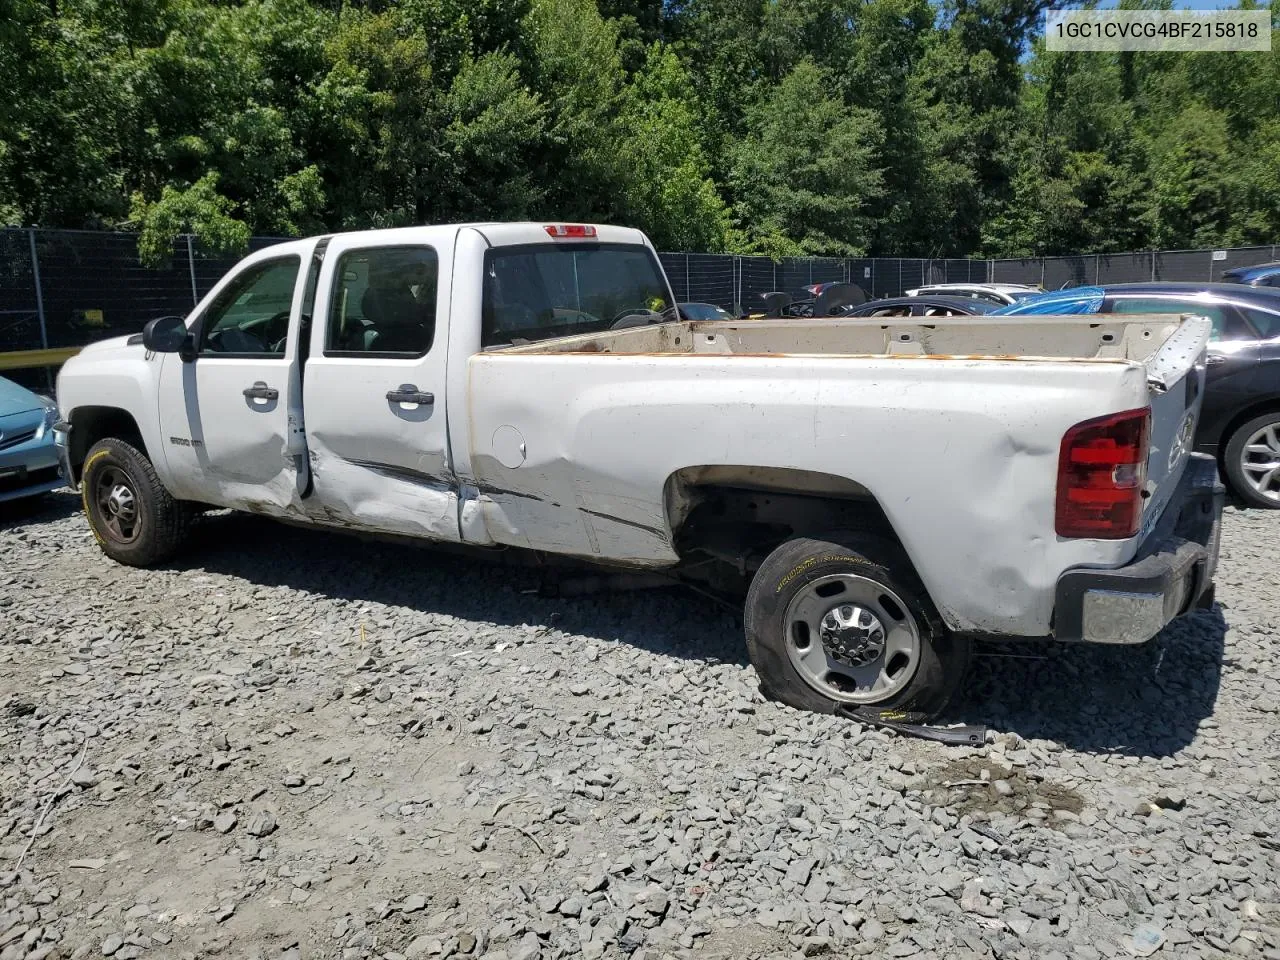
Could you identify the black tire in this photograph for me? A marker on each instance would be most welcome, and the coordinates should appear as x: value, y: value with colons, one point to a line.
x: 942, y: 658
x: 157, y: 524
x: 1233, y: 456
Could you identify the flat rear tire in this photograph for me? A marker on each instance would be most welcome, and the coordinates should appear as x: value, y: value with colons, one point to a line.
x: 846, y: 623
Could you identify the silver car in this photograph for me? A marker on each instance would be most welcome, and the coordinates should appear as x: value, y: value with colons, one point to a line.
x: 28, y: 458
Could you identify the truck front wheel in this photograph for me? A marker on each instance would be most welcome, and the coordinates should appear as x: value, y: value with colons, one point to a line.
x: 133, y: 517
x: 846, y: 623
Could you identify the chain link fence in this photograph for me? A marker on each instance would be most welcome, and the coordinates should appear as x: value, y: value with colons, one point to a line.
x: 1195, y: 266
x: 66, y: 288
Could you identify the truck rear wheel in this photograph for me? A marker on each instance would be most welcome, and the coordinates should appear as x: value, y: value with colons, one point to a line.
x: 133, y: 517
x: 846, y: 623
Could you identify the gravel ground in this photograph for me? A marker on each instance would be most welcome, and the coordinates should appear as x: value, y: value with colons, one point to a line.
x: 292, y: 744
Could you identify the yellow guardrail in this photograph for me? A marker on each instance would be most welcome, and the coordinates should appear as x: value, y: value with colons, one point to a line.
x: 24, y: 359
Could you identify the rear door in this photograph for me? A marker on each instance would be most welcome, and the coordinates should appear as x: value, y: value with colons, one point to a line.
x: 374, y: 386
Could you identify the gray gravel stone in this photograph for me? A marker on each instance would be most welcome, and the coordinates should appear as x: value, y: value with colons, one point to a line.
x: 470, y: 770
x: 261, y: 824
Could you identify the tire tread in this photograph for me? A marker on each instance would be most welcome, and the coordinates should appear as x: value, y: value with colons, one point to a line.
x: 169, y: 518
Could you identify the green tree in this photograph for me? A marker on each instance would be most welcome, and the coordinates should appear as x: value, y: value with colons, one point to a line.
x: 805, y: 177
x: 667, y: 188
x: 1191, y: 173
x: 199, y: 209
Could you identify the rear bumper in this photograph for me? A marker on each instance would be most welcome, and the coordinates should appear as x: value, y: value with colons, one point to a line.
x: 1172, y: 572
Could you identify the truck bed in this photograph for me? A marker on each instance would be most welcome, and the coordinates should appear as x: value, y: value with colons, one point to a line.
x: 594, y: 445
x: 1133, y: 338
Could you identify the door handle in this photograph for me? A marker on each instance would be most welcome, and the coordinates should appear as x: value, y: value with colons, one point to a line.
x: 1213, y: 359
x: 260, y: 391
x: 408, y: 393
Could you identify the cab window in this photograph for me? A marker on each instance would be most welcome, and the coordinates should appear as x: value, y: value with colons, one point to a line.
x: 383, y: 302
x: 541, y: 291
x: 1219, y: 315
x: 251, y: 314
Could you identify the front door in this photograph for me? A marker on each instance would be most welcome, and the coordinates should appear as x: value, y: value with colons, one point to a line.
x: 224, y: 415
x: 374, y: 389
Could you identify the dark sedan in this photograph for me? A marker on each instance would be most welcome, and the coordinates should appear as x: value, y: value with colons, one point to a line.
x: 703, y: 311
x: 1240, y: 419
x: 923, y: 305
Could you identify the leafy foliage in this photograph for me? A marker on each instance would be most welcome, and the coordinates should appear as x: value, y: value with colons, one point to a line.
x: 198, y: 209
x: 911, y: 127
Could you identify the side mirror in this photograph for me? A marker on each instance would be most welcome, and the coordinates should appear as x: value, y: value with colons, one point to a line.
x: 164, y: 334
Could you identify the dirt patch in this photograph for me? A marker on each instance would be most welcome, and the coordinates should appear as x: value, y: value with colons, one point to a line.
x: 982, y: 785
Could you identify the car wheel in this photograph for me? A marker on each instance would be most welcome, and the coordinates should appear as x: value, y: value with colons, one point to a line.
x: 1252, y: 461
x: 133, y: 517
x: 846, y: 624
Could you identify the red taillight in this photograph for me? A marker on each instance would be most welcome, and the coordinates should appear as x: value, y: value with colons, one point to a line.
x: 1102, y: 467
x: 570, y: 231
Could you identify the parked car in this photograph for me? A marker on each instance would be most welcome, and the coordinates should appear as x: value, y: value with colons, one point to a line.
x: 28, y: 457
x: 703, y: 311
x: 1259, y: 275
x: 480, y: 385
x: 1240, y: 420
x: 829, y: 299
x: 1000, y: 293
x: 924, y: 305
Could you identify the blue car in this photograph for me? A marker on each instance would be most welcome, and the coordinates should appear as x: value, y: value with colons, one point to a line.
x: 28, y: 458
x: 1258, y: 275
x: 1057, y: 303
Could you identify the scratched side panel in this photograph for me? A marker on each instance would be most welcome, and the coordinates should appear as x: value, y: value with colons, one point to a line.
x: 963, y: 460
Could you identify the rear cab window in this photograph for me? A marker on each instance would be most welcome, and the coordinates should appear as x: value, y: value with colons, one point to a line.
x: 542, y: 291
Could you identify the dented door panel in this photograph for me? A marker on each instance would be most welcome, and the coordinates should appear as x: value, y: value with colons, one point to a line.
x: 374, y: 387
x: 222, y: 444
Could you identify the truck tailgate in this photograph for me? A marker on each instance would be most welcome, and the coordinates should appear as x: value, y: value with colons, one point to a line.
x: 1175, y: 378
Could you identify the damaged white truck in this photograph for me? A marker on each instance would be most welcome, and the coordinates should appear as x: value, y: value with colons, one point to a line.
x: 877, y: 493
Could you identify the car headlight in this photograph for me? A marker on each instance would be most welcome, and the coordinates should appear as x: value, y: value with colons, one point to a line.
x: 50, y: 413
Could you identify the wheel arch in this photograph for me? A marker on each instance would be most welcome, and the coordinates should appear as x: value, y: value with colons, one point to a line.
x: 739, y: 513
x: 89, y: 424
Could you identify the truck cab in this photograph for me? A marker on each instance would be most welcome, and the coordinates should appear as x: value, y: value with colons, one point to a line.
x: 313, y: 382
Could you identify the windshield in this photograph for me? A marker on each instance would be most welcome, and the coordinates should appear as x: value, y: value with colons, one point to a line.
x: 554, y: 290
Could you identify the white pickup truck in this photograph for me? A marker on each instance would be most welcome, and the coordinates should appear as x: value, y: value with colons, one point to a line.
x: 879, y: 493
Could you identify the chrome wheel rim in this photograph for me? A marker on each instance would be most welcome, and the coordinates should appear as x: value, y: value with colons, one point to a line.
x: 852, y: 639
x: 117, y: 501
x: 1260, y: 462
